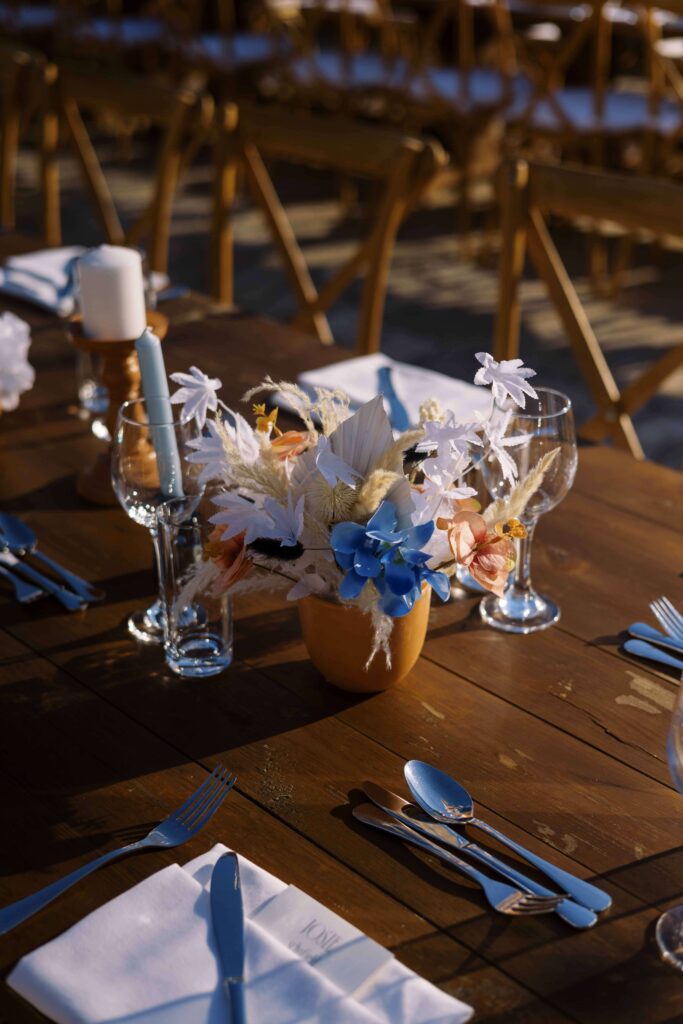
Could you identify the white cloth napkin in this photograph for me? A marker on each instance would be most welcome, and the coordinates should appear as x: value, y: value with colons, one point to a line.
x: 149, y: 957
x: 43, y: 278
x: 413, y: 385
x: 16, y: 373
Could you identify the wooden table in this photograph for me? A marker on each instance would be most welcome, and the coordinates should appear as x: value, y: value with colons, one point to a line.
x: 560, y: 738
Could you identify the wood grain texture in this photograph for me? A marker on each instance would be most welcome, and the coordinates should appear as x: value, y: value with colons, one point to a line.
x: 559, y: 736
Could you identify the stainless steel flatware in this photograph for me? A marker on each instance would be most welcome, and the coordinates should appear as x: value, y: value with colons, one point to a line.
x: 641, y: 649
x: 668, y: 617
x: 448, y: 802
x: 503, y: 898
x: 414, y: 817
x: 24, y: 592
x: 227, y: 914
x: 172, y: 831
x: 641, y: 631
x: 72, y: 602
x: 21, y: 540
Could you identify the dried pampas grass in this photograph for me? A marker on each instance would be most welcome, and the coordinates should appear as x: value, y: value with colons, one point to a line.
x: 513, y: 506
x: 372, y: 493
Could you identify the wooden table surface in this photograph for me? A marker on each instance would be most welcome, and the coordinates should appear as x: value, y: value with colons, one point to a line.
x: 559, y: 737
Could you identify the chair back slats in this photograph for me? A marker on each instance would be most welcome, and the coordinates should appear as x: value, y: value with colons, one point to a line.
x: 528, y: 194
x: 400, y: 164
x: 638, y: 204
x: 129, y: 94
x: 333, y: 142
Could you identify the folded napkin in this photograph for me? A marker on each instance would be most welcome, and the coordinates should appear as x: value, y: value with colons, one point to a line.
x: 45, y: 278
x: 361, y: 379
x: 150, y: 957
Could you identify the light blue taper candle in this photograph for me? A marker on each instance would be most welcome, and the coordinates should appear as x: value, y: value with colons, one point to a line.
x: 160, y: 413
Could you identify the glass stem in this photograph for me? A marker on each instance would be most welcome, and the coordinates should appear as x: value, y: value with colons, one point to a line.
x: 159, y: 559
x: 521, y: 582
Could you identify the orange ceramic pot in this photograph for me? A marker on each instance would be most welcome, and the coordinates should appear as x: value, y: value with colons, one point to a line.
x: 339, y: 641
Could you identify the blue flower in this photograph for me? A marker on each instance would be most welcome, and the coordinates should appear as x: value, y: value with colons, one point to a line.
x: 391, y: 558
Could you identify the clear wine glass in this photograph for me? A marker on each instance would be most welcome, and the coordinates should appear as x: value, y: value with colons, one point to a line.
x: 669, y: 930
x: 546, y: 423
x: 136, y: 483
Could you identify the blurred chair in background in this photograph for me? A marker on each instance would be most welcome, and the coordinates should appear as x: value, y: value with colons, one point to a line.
x: 529, y: 194
x: 401, y: 166
x: 27, y: 84
x: 91, y: 100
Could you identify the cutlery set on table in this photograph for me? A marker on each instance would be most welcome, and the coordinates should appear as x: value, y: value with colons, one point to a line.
x: 213, y: 940
x: 19, y: 549
x: 433, y: 823
x: 663, y: 647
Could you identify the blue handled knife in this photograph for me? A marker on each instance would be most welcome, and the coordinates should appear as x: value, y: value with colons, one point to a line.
x: 644, y: 650
x: 228, y: 925
x: 641, y: 631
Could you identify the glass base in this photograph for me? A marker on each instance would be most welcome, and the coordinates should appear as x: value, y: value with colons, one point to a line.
x: 148, y: 626
x: 200, y: 656
x: 669, y: 935
x: 468, y: 582
x: 519, y: 612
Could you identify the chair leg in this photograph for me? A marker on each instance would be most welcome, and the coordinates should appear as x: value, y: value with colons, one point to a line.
x: 49, y: 164
x: 393, y: 206
x: 513, y: 181
x: 9, y: 146
x: 222, y: 244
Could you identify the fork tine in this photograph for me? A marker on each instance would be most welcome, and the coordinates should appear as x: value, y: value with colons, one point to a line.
x: 674, y: 611
x: 204, y: 797
x: 660, y: 616
x: 666, y: 620
x: 672, y: 617
x: 190, y: 800
x: 210, y: 811
x: 531, y: 899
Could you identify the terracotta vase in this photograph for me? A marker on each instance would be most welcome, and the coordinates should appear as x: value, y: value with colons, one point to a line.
x: 339, y: 641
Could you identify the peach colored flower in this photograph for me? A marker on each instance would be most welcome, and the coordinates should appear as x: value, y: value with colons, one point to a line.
x: 292, y: 442
x: 231, y: 558
x: 488, y: 556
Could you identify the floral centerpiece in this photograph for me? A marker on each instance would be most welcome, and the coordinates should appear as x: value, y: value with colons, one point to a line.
x: 343, y: 510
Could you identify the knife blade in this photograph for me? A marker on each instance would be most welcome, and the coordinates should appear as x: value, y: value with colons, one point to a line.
x: 227, y: 914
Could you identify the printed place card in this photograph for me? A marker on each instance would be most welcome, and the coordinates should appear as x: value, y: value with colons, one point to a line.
x: 334, y: 947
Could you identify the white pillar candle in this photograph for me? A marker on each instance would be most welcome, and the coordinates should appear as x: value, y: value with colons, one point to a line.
x: 160, y: 414
x: 112, y: 293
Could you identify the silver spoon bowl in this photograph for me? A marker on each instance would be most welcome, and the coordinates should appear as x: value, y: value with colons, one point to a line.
x: 19, y: 538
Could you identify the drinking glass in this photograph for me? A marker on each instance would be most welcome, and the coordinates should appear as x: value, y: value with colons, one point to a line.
x: 92, y: 393
x: 546, y: 423
x: 197, y: 622
x: 669, y: 930
x: 136, y: 483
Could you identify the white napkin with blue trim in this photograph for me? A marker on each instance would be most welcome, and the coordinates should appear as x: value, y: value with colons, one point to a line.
x: 361, y: 379
x: 150, y: 957
x: 45, y: 278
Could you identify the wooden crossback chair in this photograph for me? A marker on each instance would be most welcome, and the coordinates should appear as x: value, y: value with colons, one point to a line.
x: 401, y: 164
x: 26, y: 81
x: 528, y: 194
x: 180, y: 113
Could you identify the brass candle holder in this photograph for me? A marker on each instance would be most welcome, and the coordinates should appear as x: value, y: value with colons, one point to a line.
x: 121, y: 377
